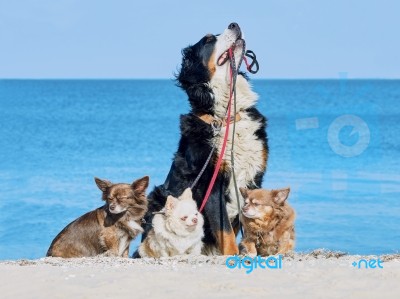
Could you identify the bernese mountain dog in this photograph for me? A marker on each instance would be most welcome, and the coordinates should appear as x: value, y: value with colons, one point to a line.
x: 205, y: 77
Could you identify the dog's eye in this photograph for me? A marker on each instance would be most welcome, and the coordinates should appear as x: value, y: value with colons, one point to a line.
x: 210, y: 38
x: 184, y: 218
x: 196, y: 214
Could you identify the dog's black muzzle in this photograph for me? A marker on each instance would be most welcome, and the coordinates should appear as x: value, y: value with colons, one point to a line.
x: 235, y: 27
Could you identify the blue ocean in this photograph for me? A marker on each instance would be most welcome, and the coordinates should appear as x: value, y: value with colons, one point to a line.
x: 336, y: 143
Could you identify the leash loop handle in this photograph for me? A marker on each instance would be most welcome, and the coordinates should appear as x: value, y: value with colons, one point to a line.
x: 253, y: 63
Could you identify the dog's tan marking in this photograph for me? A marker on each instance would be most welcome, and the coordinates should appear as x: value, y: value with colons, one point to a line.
x: 224, y: 168
x: 208, y: 118
x: 265, y: 158
x: 227, y: 242
x: 211, y: 65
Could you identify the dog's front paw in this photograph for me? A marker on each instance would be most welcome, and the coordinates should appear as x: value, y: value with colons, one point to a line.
x: 134, y: 227
x: 247, y: 248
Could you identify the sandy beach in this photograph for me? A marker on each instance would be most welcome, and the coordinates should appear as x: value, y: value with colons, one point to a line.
x: 319, y: 274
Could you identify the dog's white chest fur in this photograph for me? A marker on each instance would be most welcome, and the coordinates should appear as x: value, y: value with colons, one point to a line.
x: 248, y: 154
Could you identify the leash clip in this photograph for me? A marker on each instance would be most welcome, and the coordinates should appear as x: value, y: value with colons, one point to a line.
x: 216, y: 126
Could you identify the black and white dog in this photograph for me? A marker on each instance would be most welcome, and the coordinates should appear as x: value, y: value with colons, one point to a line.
x: 205, y: 77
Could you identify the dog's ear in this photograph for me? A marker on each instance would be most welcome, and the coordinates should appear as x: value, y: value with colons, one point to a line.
x: 102, y: 184
x: 192, y: 78
x: 140, y: 185
x: 280, y: 195
x: 243, y: 191
x: 170, y: 204
x: 200, y: 96
x: 187, y: 194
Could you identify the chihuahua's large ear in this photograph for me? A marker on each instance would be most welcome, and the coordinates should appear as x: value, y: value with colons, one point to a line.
x: 141, y: 185
x: 102, y: 184
x: 281, y: 195
x: 243, y: 191
x: 187, y: 194
x: 170, y: 204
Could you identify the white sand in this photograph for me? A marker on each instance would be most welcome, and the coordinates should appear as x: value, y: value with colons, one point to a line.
x: 315, y: 275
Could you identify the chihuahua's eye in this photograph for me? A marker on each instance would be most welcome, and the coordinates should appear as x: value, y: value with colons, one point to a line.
x: 184, y: 218
x: 196, y: 214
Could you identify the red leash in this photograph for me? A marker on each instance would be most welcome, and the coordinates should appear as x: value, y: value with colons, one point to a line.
x: 218, y: 165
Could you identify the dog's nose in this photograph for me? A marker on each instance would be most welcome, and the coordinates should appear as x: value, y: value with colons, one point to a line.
x: 233, y: 26
x: 112, y: 208
x: 194, y: 220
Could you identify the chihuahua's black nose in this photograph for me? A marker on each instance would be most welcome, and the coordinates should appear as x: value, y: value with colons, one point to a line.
x: 112, y: 208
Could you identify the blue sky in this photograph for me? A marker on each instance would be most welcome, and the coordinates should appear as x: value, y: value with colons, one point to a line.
x: 132, y: 39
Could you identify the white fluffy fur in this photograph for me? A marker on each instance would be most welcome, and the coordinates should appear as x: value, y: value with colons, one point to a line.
x: 170, y: 234
x: 123, y: 244
x: 133, y: 225
x: 248, y: 151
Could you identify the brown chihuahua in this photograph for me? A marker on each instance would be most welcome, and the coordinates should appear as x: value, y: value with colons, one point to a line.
x: 109, y: 229
x: 268, y: 222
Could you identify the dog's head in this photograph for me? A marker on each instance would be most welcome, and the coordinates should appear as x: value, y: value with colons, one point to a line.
x: 182, y: 214
x: 208, y: 59
x: 125, y: 197
x: 261, y: 203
